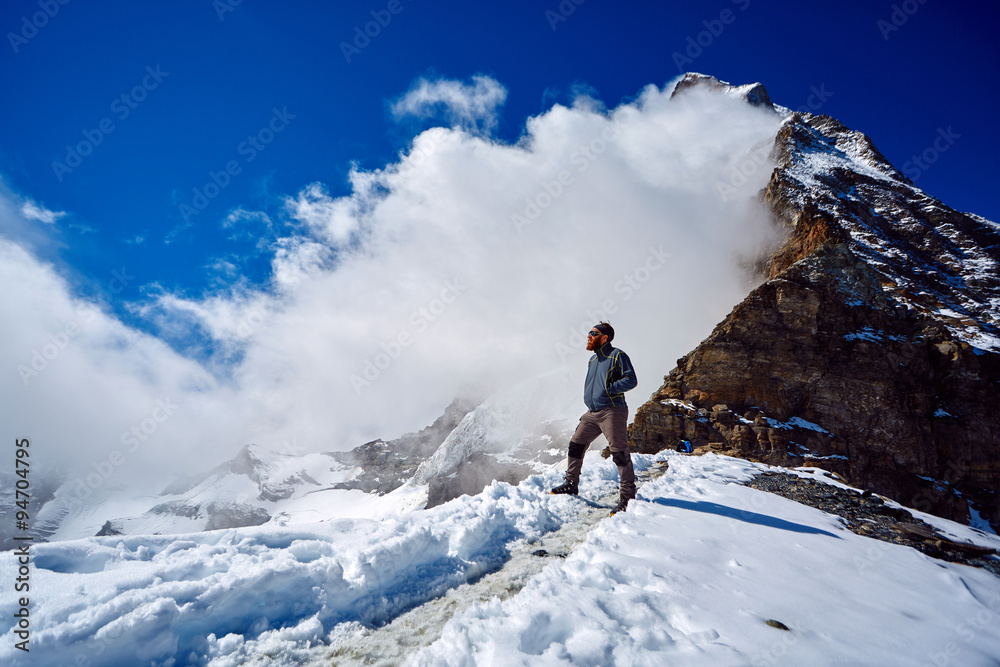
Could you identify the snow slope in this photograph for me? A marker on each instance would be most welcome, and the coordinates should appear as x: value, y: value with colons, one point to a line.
x: 688, y: 575
x: 691, y: 576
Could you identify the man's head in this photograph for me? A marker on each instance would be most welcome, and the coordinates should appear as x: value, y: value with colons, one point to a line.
x: 600, y: 333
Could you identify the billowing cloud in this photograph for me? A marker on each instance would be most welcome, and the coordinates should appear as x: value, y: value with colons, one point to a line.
x: 471, y: 106
x: 333, y: 220
x: 82, y: 385
x: 468, y: 264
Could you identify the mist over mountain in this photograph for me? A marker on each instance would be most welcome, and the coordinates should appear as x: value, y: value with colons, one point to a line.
x: 468, y: 264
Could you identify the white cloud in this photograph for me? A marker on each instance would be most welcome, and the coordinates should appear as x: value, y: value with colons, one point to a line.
x: 473, y: 106
x: 244, y: 225
x: 77, y: 380
x: 240, y: 217
x: 331, y: 219
x: 465, y: 263
x: 33, y: 211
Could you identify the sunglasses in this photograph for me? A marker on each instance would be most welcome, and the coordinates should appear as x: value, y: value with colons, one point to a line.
x: 594, y: 334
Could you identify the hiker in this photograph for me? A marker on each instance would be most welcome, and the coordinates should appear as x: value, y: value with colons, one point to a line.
x: 609, y: 376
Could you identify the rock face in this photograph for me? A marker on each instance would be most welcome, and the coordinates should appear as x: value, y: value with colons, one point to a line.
x: 872, y: 347
x: 754, y: 94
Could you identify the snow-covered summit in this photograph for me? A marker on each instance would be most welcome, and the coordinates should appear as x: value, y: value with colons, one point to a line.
x: 944, y: 263
x: 514, y: 433
x: 753, y: 93
x: 877, y: 319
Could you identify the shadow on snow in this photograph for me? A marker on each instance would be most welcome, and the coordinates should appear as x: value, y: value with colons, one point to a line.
x: 742, y: 515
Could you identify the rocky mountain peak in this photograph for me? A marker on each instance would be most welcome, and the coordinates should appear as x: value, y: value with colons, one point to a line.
x: 247, y: 462
x: 872, y: 348
x: 754, y: 94
x: 831, y: 182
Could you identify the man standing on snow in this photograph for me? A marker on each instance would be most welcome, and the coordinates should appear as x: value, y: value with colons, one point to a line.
x: 609, y: 376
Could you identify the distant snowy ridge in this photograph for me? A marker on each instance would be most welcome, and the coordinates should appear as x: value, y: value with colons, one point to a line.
x: 519, y: 430
x: 510, y: 435
x: 256, y: 486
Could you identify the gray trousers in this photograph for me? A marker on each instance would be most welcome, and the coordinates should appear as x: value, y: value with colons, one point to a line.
x: 613, y: 423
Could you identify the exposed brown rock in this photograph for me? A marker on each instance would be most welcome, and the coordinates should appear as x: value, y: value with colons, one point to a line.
x: 754, y: 94
x: 855, y: 353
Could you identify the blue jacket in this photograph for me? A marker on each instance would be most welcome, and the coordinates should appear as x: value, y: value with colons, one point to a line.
x: 609, y: 376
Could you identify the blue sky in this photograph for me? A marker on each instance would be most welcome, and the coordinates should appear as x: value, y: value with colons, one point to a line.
x: 223, y: 69
x: 286, y: 226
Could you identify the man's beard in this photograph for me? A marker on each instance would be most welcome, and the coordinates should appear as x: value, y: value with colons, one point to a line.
x: 592, y: 344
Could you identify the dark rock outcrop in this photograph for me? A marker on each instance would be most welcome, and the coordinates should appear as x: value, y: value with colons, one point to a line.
x: 868, y: 514
x: 222, y: 514
x: 109, y: 528
x: 234, y: 515
x: 870, y: 350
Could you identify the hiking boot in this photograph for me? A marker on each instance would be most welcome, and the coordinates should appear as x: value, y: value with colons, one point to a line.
x: 569, y: 488
x: 621, y: 506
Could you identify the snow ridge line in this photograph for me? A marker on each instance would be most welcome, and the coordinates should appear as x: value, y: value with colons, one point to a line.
x: 412, y: 630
